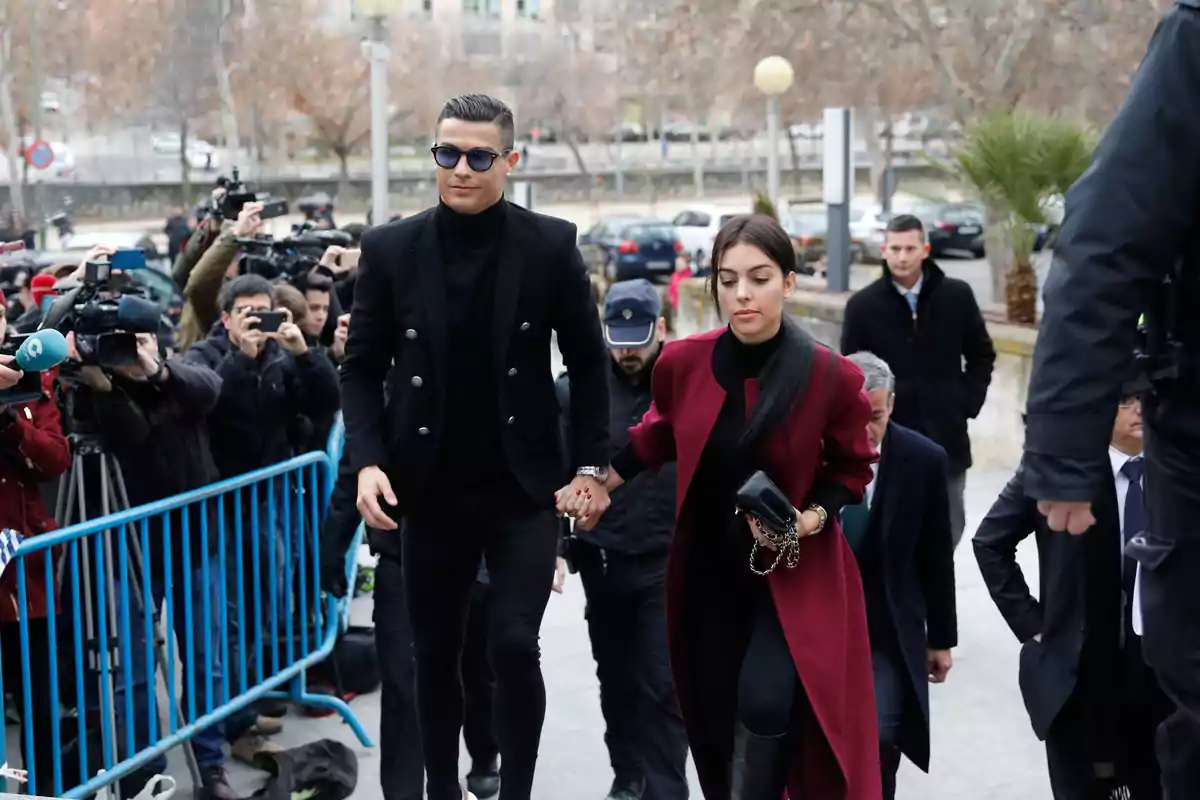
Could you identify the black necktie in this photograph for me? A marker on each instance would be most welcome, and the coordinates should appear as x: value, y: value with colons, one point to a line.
x: 1135, y: 520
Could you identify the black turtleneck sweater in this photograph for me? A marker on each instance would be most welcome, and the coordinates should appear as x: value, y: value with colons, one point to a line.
x: 471, y: 458
x: 724, y: 466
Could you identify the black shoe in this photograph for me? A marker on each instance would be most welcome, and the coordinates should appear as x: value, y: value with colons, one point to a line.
x: 271, y: 708
x: 484, y: 781
x: 214, y: 785
x: 760, y: 765
x: 626, y: 791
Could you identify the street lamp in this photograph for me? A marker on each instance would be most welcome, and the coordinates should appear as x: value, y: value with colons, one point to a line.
x: 773, y: 76
x: 378, y: 11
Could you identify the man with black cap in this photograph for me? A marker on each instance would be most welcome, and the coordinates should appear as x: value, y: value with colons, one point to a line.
x: 1090, y: 695
x: 623, y: 567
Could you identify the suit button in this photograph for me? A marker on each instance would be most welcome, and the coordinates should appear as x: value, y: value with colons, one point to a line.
x: 524, y: 326
x: 411, y: 333
x: 417, y: 381
x: 512, y: 372
x: 423, y: 430
x: 511, y: 420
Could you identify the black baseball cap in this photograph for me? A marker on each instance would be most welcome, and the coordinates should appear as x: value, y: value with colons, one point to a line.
x: 631, y: 312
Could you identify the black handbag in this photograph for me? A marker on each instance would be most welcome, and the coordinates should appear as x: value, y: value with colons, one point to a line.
x: 775, y: 518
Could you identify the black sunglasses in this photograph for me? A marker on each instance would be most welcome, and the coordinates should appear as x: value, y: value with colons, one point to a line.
x: 479, y: 159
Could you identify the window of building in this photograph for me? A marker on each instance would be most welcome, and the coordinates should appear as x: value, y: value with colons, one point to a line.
x: 529, y: 8
x: 473, y: 7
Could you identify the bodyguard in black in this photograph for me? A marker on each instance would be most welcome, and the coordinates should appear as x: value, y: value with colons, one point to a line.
x: 623, y: 566
x: 462, y: 299
x: 1133, y: 218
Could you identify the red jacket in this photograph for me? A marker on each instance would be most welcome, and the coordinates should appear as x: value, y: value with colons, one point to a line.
x: 820, y: 601
x: 33, y: 450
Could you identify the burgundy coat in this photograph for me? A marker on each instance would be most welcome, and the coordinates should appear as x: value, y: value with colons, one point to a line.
x: 39, y: 453
x: 820, y: 601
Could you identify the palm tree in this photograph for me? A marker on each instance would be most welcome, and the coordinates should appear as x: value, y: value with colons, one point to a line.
x: 1016, y: 162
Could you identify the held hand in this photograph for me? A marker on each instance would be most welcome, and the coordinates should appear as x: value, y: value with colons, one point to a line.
x: 331, y: 259
x: 373, y: 484
x: 560, y: 576
x: 938, y: 663
x: 807, y: 522
x: 1073, y: 516
x: 97, y: 252
x: 584, y: 498
x: 148, y: 364
x: 252, y: 340
x: 762, y: 539
x: 248, y: 222
x: 340, y: 334
x: 10, y: 376
x: 291, y: 338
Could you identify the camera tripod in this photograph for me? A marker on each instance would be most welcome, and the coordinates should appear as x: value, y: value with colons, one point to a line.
x: 87, y: 451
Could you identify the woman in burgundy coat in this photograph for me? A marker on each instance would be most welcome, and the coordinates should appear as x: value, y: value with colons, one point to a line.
x: 773, y: 673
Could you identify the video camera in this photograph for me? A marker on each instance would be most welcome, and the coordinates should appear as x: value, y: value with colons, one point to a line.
x: 107, y: 311
x: 237, y: 195
x: 294, y: 255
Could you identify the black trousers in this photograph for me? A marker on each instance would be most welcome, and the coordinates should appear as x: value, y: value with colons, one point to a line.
x: 401, y: 768
x: 41, y: 760
x: 441, y: 562
x: 770, y: 698
x: 479, y: 685
x: 1170, y: 591
x: 627, y: 623
x: 1143, y: 707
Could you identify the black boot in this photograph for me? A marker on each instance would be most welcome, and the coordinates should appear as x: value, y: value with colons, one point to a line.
x: 760, y: 765
x: 483, y: 780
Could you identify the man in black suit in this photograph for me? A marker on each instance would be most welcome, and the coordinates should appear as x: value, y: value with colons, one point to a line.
x: 900, y: 534
x: 928, y: 328
x: 1089, y: 694
x: 462, y: 298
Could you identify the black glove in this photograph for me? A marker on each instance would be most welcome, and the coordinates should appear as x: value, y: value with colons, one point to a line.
x: 333, y: 574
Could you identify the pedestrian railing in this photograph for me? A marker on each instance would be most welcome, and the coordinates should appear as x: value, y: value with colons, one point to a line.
x: 217, y: 591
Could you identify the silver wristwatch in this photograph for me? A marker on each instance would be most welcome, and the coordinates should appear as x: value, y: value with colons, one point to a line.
x: 599, y: 473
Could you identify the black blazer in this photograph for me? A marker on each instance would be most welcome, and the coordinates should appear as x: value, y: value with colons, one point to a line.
x: 399, y: 317
x: 913, y: 509
x: 1049, y: 669
x: 943, y: 361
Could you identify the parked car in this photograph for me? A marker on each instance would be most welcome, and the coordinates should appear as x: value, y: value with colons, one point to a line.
x: 697, y: 229
x: 808, y: 231
x: 953, y: 228
x: 622, y: 248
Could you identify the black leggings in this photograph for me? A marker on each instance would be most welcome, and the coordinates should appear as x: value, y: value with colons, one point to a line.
x: 441, y: 563
x: 768, y: 686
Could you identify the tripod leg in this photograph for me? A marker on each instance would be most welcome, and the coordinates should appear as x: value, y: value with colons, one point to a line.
x: 120, y: 499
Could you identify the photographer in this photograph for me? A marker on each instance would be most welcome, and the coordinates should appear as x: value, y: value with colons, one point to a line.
x: 201, y: 286
x: 152, y: 418
x: 32, y: 450
x: 269, y: 378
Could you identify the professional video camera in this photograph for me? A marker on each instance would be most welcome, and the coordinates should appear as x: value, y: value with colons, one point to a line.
x: 237, y: 195
x: 294, y: 255
x: 107, y: 311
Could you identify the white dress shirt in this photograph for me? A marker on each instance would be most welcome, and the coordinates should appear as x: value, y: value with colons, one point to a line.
x: 870, y: 493
x: 1119, y: 460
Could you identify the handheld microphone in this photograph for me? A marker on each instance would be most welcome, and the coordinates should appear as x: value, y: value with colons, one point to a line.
x: 43, y: 350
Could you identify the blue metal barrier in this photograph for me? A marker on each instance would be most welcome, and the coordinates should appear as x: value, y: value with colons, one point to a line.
x: 253, y: 619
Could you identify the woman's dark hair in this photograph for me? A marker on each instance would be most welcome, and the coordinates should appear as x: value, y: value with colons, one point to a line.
x: 756, y: 230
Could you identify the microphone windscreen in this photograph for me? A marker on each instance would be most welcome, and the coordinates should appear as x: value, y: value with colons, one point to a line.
x: 137, y: 315
x: 42, y: 351
x: 41, y: 286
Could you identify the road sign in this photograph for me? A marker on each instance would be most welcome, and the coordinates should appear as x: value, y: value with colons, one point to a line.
x: 40, y: 154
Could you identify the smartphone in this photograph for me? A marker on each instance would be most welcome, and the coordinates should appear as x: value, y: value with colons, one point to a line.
x: 349, y: 258
x: 268, y: 321
x: 127, y: 259
x: 273, y: 208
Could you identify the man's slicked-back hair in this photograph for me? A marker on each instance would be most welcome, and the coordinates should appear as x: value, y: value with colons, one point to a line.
x: 902, y: 223
x: 482, y: 108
